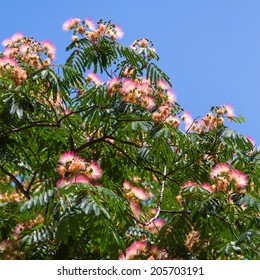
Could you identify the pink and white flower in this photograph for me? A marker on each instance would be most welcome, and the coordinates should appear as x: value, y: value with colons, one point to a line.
x: 219, y: 169
x: 94, y: 171
x: 94, y: 78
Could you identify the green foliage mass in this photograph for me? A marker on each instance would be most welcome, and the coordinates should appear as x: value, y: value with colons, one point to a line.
x: 56, y: 109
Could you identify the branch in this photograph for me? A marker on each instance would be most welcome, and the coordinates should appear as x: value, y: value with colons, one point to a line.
x: 17, y: 129
x: 159, y: 203
x: 91, y: 142
x: 16, y: 181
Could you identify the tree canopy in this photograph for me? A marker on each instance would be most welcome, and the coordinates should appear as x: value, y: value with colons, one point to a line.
x: 100, y: 161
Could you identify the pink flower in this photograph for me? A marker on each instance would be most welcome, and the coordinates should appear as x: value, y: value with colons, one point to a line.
x: 94, y: 171
x: 70, y: 24
x: 77, y: 166
x: 139, y: 193
x: 17, y: 37
x: 119, y: 32
x: 156, y: 226
x: 188, y: 120
x: 207, y: 187
x: 240, y: 179
x: 49, y: 46
x: 150, y: 103
x: 112, y: 85
x: 61, y: 183
x: 188, y: 184
x: 7, y: 61
x: 24, y: 49
x: 134, y: 250
x: 127, y: 186
x: 135, y: 208
x: 68, y: 157
x: 6, y: 42
x: 229, y: 110
x: 128, y: 86
x: 94, y: 78
x: 163, y: 85
x: 10, y: 52
x: 79, y: 178
x: 170, y: 96
x: 90, y: 24
x: 219, y: 169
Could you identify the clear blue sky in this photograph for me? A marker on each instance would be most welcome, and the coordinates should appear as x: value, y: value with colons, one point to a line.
x: 209, y: 48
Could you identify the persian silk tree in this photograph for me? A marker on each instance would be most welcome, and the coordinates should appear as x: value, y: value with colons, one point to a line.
x: 99, y: 161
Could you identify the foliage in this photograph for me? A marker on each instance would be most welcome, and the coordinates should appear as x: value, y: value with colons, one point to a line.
x: 116, y: 169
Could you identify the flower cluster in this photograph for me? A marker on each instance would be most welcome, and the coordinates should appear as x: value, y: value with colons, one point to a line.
x: 87, y: 28
x: 210, y: 121
x: 160, y: 99
x: 143, y: 250
x: 223, y: 176
x: 134, y: 195
x: 74, y: 169
x: 20, y: 49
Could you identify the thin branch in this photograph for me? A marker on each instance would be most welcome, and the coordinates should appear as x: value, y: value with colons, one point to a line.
x: 158, y: 205
x: 122, y: 151
x: 36, y: 124
x: 31, y: 182
x: 90, y: 143
x: 19, y: 185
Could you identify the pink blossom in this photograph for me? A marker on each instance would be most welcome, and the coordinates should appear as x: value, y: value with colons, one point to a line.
x: 170, y: 96
x: 163, y: 85
x: 239, y: 178
x: 6, y: 42
x: 135, y: 208
x: 90, y: 24
x: 119, y: 32
x: 188, y: 120
x: 10, y: 52
x: 61, y: 183
x: 49, y: 46
x: 24, y: 49
x: 79, y: 178
x: 94, y: 171
x: 188, y: 184
x: 68, y: 157
x: 219, y: 169
x: 112, y: 84
x: 127, y: 186
x: 17, y: 37
x: 150, y: 104
x: 156, y: 226
x: 134, y: 250
x: 139, y: 193
x: 229, y: 110
x: 70, y: 24
x: 207, y: 187
x: 7, y: 61
x: 128, y: 86
x: 95, y: 78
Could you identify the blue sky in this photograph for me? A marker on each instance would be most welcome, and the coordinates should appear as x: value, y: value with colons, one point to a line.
x: 209, y: 48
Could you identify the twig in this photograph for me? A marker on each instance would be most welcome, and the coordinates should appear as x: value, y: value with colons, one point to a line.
x: 16, y: 181
x: 158, y: 205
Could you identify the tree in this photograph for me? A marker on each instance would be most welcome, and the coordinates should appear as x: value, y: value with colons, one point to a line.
x: 106, y: 170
